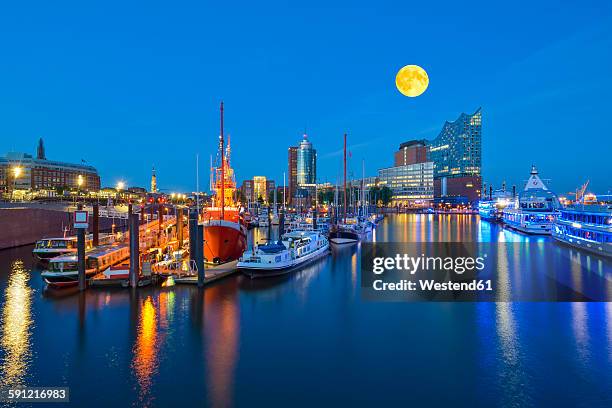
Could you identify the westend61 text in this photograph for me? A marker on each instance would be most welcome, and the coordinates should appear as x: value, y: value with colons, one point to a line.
x: 431, y: 285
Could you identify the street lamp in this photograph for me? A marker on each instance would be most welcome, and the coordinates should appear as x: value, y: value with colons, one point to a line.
x: 120, y: 187
x: 16, y: 173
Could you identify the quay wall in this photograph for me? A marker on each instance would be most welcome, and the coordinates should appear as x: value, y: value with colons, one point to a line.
x: 24, y: 226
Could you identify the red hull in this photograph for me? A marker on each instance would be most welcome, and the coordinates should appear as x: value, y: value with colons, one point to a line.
x: 223, y: 243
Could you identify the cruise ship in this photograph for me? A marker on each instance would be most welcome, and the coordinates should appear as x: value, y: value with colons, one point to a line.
x: 535, y: 208
x: 586, y: 226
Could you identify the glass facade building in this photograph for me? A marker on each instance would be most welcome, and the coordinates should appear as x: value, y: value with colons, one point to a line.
x: 306, y: 163
x: 456, y: 151
x: 410, y: 184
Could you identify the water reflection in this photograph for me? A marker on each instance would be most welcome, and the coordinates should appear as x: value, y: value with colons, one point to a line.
x: 145, y: 360
x: 222, y: 330
x: 16, y: 327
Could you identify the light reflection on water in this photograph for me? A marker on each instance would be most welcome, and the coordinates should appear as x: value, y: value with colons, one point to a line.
x: 145, y: 358
x: 16, y: 327
x: 234, y: 342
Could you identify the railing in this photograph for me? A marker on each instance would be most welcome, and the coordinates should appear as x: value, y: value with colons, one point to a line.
x: 177, y: 268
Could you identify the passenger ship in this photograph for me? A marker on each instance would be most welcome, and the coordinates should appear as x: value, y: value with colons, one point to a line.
x: 63, y: 270
x: 535, y: 209
x: 48, y: 248
x: 492, y: 209
x: 295, y: 249
x: 225, y: 234
x: 586, y: 226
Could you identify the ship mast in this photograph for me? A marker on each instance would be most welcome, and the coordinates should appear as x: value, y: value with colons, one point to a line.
x: 344, y: 178
x: 222, y: 168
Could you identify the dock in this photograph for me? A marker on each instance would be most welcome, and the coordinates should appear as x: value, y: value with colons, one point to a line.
x: 211, y: 274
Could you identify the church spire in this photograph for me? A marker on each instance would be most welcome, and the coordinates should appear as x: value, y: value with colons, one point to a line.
x: 153, y: 181
x: 40, y: 152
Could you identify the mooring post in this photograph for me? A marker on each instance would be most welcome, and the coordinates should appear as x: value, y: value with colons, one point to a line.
x: 281, y: 224
x: 160, y: 219
x: 200, y: 254
x: 134, y: 250
x: 96, y: 224
x: 179, y: 227
x: 193, y: 226
x: 81, y: 254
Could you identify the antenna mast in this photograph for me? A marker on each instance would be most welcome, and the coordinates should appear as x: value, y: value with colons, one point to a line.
x: 344, y: 179
x: 222, y: 169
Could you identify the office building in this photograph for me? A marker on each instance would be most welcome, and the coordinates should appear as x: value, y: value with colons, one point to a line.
x: 21, y: 171
x: 411, y: 152
x: 292, y: 173
x: 455, y: 154
x: 259, y: 189
x: 412, y: 184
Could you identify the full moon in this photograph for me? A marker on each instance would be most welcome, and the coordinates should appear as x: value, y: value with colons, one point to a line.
x: 411, y: 80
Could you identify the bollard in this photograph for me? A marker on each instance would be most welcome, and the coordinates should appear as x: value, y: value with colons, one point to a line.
x: 179, y: 227
x: 96, y: 224
x: 200, y: 254
x: 134, y: 250
x: 81, y: 255
x: 281, y: 224
x: 160, y: 218
x: 193, y: 226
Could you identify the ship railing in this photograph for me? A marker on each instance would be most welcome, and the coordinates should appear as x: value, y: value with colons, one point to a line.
x: 176, y: 268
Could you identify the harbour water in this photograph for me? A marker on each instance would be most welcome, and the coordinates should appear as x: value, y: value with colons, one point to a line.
x: 306, y: 338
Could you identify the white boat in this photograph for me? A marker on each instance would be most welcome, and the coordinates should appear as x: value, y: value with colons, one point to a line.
x: 48, y: 248
x: 64, y: 271
x: 585, y: 226
x: 295, y: 250
x: 535, y: 208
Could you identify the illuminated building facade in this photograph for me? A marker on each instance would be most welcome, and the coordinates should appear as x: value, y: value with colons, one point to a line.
x: 306, y: 167
x: 21, y: 171
x: 456, y: 154
x: 412, y: 184
x: 411, y: 152
x: 292, y: 167
x: 306, y: 163
x: 248, y: 190
x: 259, y: 188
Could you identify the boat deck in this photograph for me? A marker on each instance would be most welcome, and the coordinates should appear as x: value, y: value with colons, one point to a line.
x: 212, y: 274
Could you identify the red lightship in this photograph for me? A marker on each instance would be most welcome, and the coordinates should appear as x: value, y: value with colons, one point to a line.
x: 225, y: 236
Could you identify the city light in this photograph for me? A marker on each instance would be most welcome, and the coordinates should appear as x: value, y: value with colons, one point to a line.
x: 17, y: 171
x: 120, y: 185
x: 80, y: 180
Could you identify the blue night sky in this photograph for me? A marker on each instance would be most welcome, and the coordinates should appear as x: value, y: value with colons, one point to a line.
x: 128, y: 85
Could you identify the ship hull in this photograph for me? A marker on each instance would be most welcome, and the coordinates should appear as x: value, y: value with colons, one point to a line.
x: 223, y: 242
